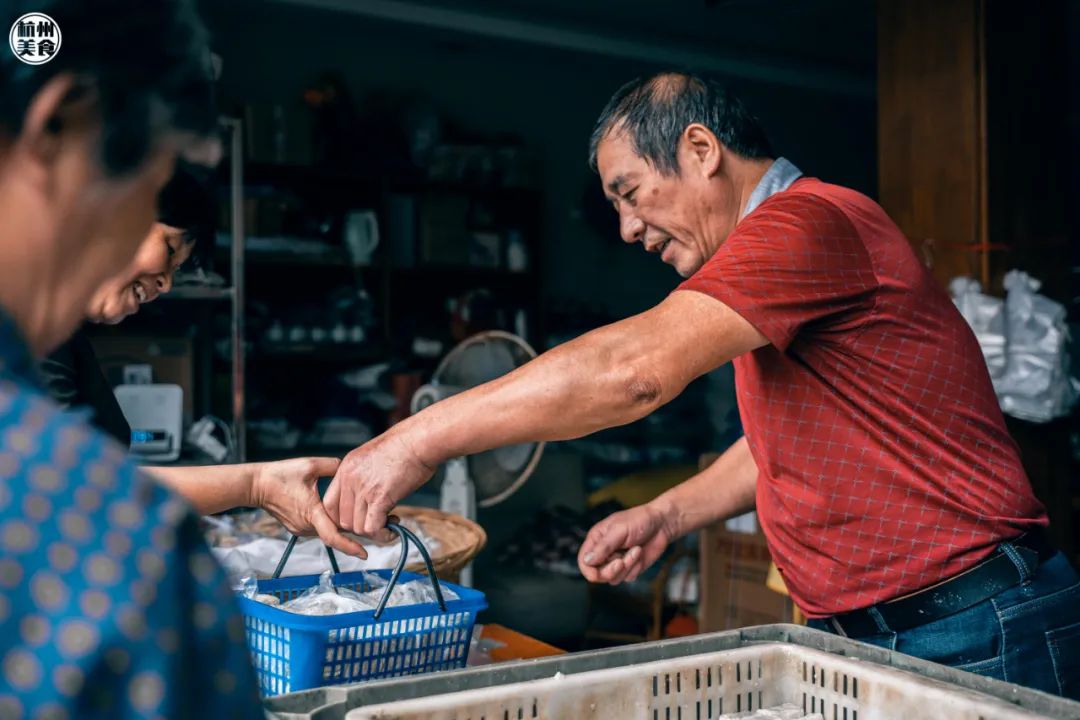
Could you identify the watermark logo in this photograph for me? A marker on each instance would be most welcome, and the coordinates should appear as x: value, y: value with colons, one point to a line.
x: 35, y: 38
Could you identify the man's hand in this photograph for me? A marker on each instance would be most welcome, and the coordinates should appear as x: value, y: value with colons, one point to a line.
x: 620, y: 547
x: 289, y: 491
x: 371, y: 480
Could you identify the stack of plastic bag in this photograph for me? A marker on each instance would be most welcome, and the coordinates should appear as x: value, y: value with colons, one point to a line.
x: 1036, y: 385
x: 1024, y: 341
x: 325, y: 599
x: 412, y: 592
x: 255, y: 542
x: 328, y: 599
x: 986, y: 316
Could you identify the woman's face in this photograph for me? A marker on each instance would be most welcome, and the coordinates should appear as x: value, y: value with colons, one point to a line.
x: 150, y: 274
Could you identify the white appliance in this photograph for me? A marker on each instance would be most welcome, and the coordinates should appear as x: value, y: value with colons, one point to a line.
x: 155, y: 413
x: 487, y: 478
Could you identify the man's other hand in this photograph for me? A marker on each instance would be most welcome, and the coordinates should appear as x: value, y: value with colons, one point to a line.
x: 622, y: 546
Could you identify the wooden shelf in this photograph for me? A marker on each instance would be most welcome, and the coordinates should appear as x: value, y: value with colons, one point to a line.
x: 313, y: 252
x: 322, y: 352
x: 256, y: 453
x: 462, y: 270
x: 262, y: 173
x: 258, y: 174
x: 449, y: 276
x: 196, y: 292
x: 332, y: 258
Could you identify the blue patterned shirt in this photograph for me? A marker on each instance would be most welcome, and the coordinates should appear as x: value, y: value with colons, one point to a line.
x: 111, y: 605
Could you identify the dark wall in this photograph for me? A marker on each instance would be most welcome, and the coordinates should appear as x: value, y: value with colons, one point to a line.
x: 1030, y: 131
x: 549, y: 98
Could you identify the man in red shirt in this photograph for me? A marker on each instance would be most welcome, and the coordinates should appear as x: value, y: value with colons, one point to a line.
x: 892, y: 497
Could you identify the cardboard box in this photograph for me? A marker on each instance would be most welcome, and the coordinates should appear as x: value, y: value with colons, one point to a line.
x: 733, y: 569
x: 171, y: 359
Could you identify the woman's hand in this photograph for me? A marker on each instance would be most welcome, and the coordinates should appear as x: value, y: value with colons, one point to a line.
x: 288, y: 490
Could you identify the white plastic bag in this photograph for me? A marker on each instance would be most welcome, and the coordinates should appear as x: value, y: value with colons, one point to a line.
x: 1036, y: 385
x: 413, y: 592
x: 1024, y: 340
x: 986, y: 316
x: 325, y: 599
x: 261, y: 554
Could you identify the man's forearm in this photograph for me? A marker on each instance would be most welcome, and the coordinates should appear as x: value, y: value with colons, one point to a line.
x: 566, y: 393
x: 608, y: 377
x: 724, y: 489
x: 210, y: 489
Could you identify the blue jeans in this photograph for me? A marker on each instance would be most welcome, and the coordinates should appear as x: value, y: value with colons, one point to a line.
x: 1028, y: 634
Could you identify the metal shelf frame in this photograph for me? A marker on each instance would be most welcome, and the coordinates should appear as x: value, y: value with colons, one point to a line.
x: 235, y: 130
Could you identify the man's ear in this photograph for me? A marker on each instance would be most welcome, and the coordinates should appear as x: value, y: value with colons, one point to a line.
x: 701, y: 150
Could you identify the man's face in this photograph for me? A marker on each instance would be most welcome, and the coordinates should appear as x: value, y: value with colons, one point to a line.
x: 680, y: 217
x: 149, y: 275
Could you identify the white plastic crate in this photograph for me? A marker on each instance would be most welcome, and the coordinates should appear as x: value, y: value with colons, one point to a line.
x: 707, y: 686
x: 899, y: 684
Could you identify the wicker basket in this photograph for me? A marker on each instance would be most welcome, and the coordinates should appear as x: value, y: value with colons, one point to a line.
x: 460, y: 540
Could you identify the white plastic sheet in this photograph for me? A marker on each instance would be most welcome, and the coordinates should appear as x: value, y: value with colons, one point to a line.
x: 309, y: 557
x: 1024, y: 340
x: 326, y: 599
x: 253, y: 543
x: 986, y: 316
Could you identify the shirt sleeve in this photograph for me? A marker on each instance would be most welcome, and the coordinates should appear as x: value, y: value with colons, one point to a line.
x: 796, y: 261
x: 113, y: 606
x: 178, y: 622
x: 210, y: 627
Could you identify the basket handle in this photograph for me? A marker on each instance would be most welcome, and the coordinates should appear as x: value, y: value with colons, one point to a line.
x: 288, y: 551
x: 322, y: 487
x: 406, y: 535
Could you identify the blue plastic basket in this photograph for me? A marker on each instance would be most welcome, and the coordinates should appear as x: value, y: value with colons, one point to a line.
x: 294, y: 652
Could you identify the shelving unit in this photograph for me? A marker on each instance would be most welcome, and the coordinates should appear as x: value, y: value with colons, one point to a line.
x: 407, y: 299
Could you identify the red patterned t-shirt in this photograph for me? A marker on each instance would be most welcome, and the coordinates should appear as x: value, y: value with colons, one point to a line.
x: 884, y: 462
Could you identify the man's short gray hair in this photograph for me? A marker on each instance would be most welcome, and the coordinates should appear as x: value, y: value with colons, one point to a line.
x: 654, y: 112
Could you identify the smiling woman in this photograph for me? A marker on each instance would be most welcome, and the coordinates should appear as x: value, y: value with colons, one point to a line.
x: 185, y: 217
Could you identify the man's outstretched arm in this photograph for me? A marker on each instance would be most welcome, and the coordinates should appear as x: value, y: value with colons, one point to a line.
x: 610, y: 376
